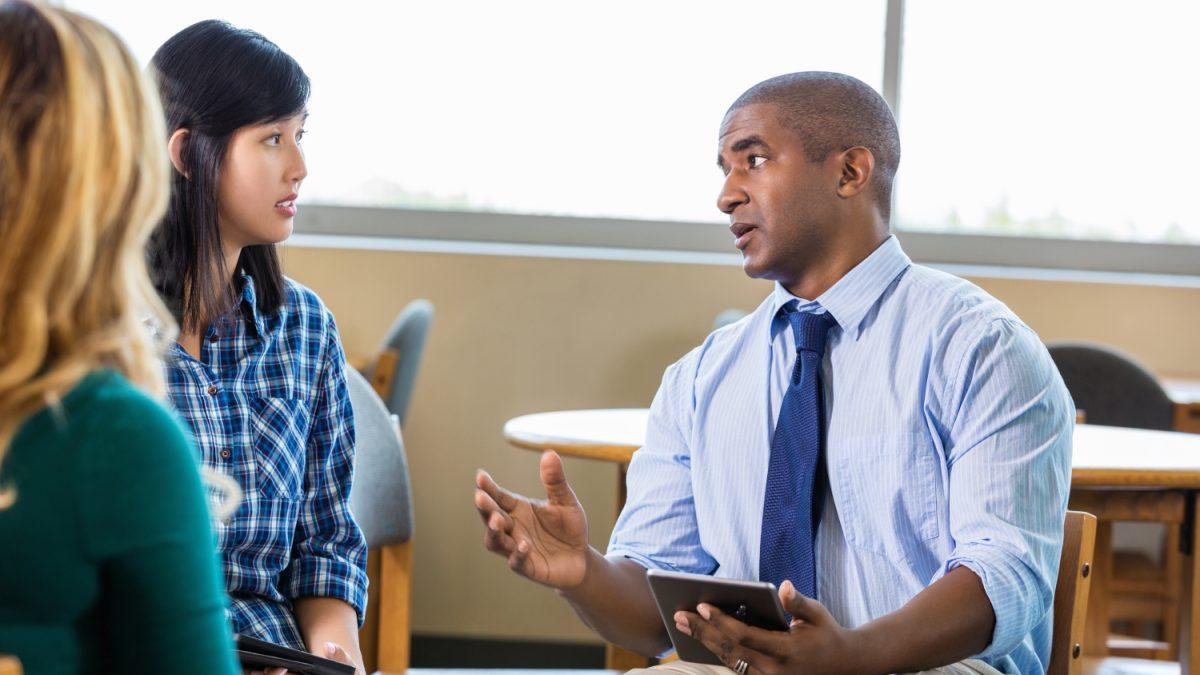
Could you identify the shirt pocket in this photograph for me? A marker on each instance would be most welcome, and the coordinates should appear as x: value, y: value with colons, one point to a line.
x: 889, y: 486
x: 280, y: 439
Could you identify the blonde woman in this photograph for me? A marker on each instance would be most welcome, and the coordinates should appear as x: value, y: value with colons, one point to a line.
x: 107, y: 562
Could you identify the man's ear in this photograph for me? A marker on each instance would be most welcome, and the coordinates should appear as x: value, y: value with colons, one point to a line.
x: 175, y: 150
x: 858, y: 164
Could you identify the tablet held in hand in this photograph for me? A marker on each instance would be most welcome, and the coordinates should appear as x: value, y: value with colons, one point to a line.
x: 755, y: 603
x: 257, y: 654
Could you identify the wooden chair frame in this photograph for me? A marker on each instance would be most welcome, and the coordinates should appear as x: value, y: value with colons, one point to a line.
x: 386, y: 635
x: 1075, y: 570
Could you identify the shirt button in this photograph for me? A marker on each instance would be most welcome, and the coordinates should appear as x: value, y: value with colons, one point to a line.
x: 212, y: 390
x: 225, y: 454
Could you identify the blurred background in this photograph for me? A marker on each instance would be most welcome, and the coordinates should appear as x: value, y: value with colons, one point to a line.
x: 543, y: 173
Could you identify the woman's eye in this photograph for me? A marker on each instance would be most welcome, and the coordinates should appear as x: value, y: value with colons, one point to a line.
x: 274, y: 139
x: 756, y: 161
x: 301, y: 134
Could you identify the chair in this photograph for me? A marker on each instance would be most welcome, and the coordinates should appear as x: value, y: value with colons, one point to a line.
x: 1071, y: 594
x: 1111, y: 388
x: 381, y: 501
x: 395, y: 370
x: 9, y: 665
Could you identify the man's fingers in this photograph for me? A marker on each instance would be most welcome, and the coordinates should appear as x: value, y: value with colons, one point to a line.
x: 493, y: 516
x: 554, y: 479
x: 505, y: 499
x: 723, y: 645
x: 747, y: 636
x: 801, y: 608
x: 500, y: 523
x: 499, y: 542
x: 485, y: 505
x: 516, y: 559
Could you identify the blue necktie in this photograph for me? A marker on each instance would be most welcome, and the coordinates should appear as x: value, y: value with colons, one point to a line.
x: 791, y: 508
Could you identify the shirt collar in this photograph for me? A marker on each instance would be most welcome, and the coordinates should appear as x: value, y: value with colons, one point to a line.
x: 249, y: 305
x: 854, y: 294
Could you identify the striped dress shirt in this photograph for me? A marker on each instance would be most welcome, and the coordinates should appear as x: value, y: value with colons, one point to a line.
x: 948, y: 445
x: 268, y: 406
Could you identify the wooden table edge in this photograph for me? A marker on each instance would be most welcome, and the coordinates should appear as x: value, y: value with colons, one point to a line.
x: 1135, y: 479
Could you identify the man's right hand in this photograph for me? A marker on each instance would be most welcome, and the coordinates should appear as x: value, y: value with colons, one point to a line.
x: 545, y: 541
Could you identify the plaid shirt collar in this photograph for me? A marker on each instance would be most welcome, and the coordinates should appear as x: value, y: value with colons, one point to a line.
x: 248, y: 306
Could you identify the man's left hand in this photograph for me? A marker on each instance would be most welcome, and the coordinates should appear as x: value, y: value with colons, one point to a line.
x: 814, y: 643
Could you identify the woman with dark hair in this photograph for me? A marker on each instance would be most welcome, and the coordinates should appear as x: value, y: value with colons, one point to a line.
x: 258, y: 371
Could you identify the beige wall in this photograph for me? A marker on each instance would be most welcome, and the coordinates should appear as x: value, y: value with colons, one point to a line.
x: 519, y: 335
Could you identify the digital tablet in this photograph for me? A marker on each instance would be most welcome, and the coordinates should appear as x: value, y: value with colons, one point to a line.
x: 755, y: 603
x: 258, y: 654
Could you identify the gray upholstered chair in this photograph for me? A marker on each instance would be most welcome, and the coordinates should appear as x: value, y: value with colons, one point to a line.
x: 395, y: 371
x: 1111, y: 388
x: 381, y: 501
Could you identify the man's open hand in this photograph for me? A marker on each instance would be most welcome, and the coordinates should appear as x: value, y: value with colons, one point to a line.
x: 543, y: 540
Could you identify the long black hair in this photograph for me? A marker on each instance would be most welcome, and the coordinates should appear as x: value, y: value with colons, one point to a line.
x: 213, y: 79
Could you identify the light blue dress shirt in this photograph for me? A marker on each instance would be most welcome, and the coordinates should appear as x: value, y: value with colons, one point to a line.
x: 948, y: 444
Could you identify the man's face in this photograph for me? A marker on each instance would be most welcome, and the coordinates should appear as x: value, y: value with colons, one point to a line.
x: 779, y: 203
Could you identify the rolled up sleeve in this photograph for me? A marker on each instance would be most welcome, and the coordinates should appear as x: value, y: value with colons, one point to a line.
x: 657, y: 528
x: 1009, y: 462
x: 329, y: 554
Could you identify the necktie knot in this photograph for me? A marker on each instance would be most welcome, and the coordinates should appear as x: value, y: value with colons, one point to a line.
x: 810, y: 330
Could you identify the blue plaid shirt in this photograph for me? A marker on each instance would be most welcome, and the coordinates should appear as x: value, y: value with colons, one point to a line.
x: 268, y: 405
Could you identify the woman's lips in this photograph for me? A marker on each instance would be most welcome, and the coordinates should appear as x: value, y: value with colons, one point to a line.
x: 286, y: 207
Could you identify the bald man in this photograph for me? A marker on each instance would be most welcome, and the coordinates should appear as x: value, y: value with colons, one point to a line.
x: 885, y: 442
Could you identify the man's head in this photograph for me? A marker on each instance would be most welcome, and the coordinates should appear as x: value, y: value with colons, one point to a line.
x: 809, y: 160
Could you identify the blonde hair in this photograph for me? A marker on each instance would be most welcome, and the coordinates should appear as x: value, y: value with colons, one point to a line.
x: 83, y: 181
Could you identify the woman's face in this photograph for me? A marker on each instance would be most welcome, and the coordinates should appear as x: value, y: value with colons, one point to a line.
x: 260, y: 181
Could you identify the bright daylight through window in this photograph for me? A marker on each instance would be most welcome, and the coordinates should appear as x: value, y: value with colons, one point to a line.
x: 1065, y: 119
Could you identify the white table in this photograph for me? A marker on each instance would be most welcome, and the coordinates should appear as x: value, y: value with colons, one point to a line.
x: 1116, y: 474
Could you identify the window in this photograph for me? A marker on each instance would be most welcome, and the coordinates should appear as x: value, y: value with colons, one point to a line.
x: 1061, y: 119
x: 542, y: 107
x: 1064, y: 120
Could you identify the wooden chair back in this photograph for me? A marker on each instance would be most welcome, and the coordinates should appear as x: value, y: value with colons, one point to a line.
x: 386, y: 632
x: 1071, y: 594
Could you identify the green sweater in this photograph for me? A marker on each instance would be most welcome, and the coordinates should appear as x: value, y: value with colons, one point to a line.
x: 107, y: 559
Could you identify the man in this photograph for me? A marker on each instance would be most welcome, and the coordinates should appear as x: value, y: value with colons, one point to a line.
x: 886, y: 442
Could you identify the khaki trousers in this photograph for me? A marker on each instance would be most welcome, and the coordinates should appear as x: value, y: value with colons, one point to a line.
x: 968, y: 667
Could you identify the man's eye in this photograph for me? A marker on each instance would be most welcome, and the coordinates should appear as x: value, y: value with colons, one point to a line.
x: 756, y: 161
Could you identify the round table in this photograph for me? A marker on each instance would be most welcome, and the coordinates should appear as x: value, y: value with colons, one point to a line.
x: 1116, y: 474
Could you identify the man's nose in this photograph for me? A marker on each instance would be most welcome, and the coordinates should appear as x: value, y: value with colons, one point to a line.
x: 732, y: 195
